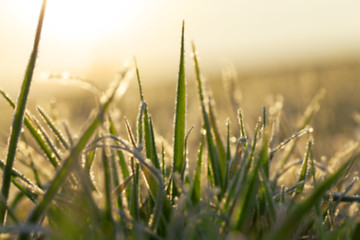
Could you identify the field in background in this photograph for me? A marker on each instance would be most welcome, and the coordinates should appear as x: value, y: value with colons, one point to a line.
x: 335, y: 123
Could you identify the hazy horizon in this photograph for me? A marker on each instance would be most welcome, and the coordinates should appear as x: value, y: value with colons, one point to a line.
x: 95, y: 43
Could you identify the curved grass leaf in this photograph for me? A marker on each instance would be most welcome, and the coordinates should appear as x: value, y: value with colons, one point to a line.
x: 299, y: 211
x: 310, y: 111
x: 122, y: 162
x: 69, y: 163
x: 121, y: 187
x: 154, y: 180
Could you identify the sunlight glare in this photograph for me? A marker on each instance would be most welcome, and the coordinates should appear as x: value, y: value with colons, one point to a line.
x: 82, y: 20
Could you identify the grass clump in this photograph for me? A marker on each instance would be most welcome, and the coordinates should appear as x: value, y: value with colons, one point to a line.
x: 102, y: 186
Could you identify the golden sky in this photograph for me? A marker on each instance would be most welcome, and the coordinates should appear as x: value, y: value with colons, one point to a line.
x: 93, y: 38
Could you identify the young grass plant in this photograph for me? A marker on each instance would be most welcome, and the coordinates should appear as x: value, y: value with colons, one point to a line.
x: 104, y: 187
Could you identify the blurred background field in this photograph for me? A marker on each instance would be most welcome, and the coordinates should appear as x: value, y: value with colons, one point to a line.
x: 336, y: 122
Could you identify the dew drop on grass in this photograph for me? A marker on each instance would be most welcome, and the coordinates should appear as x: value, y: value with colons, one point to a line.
x: 203, y: 131
x: 233, y: 139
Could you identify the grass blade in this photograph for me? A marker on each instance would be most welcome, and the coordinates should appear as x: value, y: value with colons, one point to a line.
x: 310, y: 111
x: 90, y: 158
x: 195, y: 193
x: 134, y: 195
x: 217, y: 171
x: 180, y: 114
x: 34, y: 132
x: 107, y: 187
x: 17, y: 174
x: 122, y: 162
x: 68, y: 164
x: 228, y: 155
x: 219, y: 144
x: 302, y: 176
x: 52, y: 126
x: 242, y: 128
x: 154, y: 157
x: 19, y: 116
x: 148, y: 129
x: 296, y: 214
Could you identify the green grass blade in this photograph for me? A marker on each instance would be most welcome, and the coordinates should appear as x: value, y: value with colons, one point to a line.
x: 180, y: 118
x: 53, y: 127
x: 148, y: 129
x: 247, y: 201
x: 232, y: 192
x: 302, y: 175
x: 48, y: 141
x: 228, y: 155
x: 69, y: 163
x: 270, y: 206
x: 90, y: 156
x: 64, y: 171
x: 122, y: 162
x: 180, y: 114
x: 36, y: 174
x: 242, y: 128
x: 299, y: 211
x: 154, y: 157
x: 217, y: 172
x: 19, y: 116
x: 139, y: 122
x: 115, y: 179
x: 134, y: 196
x: 250, y: 159
x: 195, y: 193
x: 219, y: 144
x: 121, y: 187
x: 154, y: 181
x: 310, y: 111
x: 34, y: 132
x: 163, y: 167
x: 9, y: 211
x: 17, y: 174
x: 107, y: 187
x: 139, y: 81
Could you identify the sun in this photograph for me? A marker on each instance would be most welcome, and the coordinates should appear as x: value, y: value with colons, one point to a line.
x: 85, y: 19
